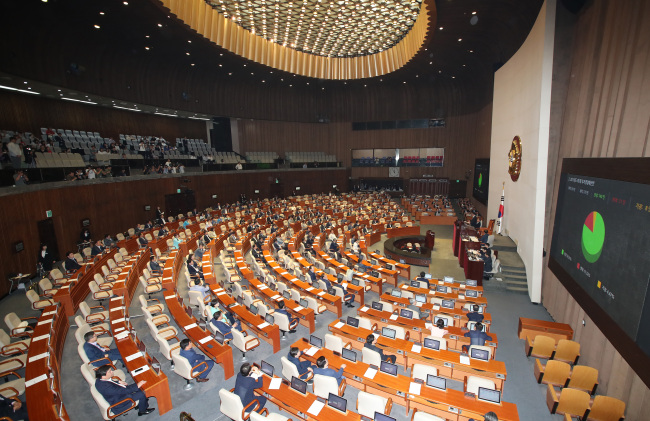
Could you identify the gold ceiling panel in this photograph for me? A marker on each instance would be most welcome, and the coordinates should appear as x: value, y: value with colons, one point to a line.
x: 322, y: 39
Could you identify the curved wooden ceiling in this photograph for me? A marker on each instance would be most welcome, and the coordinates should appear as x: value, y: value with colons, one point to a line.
x: 141, y: 53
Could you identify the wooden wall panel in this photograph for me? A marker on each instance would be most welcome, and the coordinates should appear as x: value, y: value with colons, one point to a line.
x: 27, y: 113
x: 606, y: 113
x: 116, y: 205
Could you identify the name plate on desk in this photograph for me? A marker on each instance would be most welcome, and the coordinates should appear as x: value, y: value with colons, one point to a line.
x: 44, y: 322
x: 339, y: 325
x: 117, y: 320
x: 320, y: 294
x: 118, y: 330
x: 263, y: 325
x: 49, y: 313
x: 262, y: 287
x: 310, y: 289
x: 117, y: 309
x: 169, y: 297
x: 134, y: 356
x: 204, y: 340
x: 370, y: 373
x: 121, y: 336
x: 40, y: 338
x: 190, y: 326
x: 36, y: 380
x: 464, y: 359
x: 39, y: 357
x: 139, y: 370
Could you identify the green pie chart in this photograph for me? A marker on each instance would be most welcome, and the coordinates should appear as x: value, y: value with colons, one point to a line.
x: 480, y: 179
x: 593, y: 236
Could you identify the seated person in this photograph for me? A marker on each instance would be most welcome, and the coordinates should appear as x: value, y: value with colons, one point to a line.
x: 13, y: 409
x: 311, y: 274
x: 194, y: 358
x: 176, y: 242
x: 348, y: 298
x: 293, y: 321
x: 115, y: 390
x: 304, y: 367
x: 489, y: 416
x: 477, y: 337
x: 143, y: 242
x: 475, y: 316
x: 422, y: 278
x: 148, y: 225
x: 156, y: 269
x: 334, y: 247
x: 97, y: 249
x: 223, y: 324
x: 71, y: 263
x: 438, y: 330
x: 109, y: 243
x: 203, y: 289
x: 248, y: 379
x: 163, y: 232
x: 370, y: 344
x: 97, y: 354
x: 257, y: 253
x: 194, y: 269
x: 476, y: 221
x: 322, y: 368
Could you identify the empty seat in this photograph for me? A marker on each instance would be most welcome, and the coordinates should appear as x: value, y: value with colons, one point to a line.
x: 555, y: 373
x: 567, y: 351
x: 540, y: 347
x: 568, y: 401
x: 606, y: 408
x: 368, y: 404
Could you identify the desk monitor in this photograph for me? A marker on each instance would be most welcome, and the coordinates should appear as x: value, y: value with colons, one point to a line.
x: 436, y: 382
x: 444, y: 320
x: 269, y: 319
x: 304, y: 303
x: 471, y: 283
x: 389, y: 266
x: 479, y: 354
x: 253, y: 309
x: 396, y: 293
x: 374, y: 274
x: 421, y: 298
x: 381, y: 417
x: 337, y: 402
x: 218, y: 336
x: 388, y: 332
x: 353, y: 321
x: 141, y: 346
x: 155, y: 364
x: 432, y: 344
x: 449, y: 279
x: 471, y: 293
x: 299, y: 385
x: 355, y: 282
x: 415, y: 284
x: 286, y: 294
x: 188, y: 310
x: 447, y: 303
x: 266, y: 368
x: 441, y: 288
x: 377, y: 306
x: 406, y: 313
x: 240, y: 301
x: 489, y: 395
x: 402, y: 261
x: 373, y: 262
x: 315, y: 341
x: 388, y: 368
x: 427, y: 276
x: 339, y: 277
x: 349, y: 355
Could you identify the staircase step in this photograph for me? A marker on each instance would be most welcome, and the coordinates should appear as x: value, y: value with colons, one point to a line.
x: 517, y: 289
x: 515, y: 277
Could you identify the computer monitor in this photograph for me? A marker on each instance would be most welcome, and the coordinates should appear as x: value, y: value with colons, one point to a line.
x: 353, y: 321
x: 421, y: 298
x: 377, y: 306
x: 269, y: 319
x: 299, y: 385
x: 337, y: 402
x: 471, y: 283
x: 441, y: 288
x: 304, y: 303
x: 287, y: 295
x: 406, y: 313
x: 396, y: 293
x: 471, y: 293
x: 388, y: 368
x: 381, y: 417
x: 218, y: 336
x: 402, y: 261
x: 479, y: 354
x: 448, y: 303
x: 374, y: 274
x: 388, y: 332
x: 267, y: 368
x: 240, y: 301
x: 188, y: 310
x: 315, y: 341
x: 388, y: 266
x: 349, y: 355
x: 373, y: 262
x: 141, y: 346
x: 489, y: 395
x: 415, y: 284
x: 339, y: 277
x: 427, y: 276
x: 436, y: 382
x: 155, y: 364
x: 444, y: 320
x: 449, y: 279
x: 432, y: 344
x: 355, y: 282
x: 253, y: 309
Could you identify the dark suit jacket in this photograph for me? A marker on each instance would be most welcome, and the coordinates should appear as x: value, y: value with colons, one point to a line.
x: 244, y: 387
x: 93, y: 353
x: 72, y: 264
x: 113, y: 392
x: 477, y: 338
x: 96, y: 251
x: 302, y: 366
x: 192, y: 356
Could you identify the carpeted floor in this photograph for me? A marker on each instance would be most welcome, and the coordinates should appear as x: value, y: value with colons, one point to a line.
x: 203, y: 400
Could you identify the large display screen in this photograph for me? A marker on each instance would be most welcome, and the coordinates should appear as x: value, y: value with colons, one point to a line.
x: 481, y: 180
x: 601, y: 244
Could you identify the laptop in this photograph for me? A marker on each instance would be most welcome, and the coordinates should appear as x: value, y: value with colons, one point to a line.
x: 471, y: 293
x: 266, y: 368
x: 396, y: 293
x: 377, y: 306
x: 373, y: 262
x: 432, y: 344
x: 188, y: 310
x: 389, y: 266
x: 415, y: 284
x: 388, y: 332
x: 218, y: 336
x: 353, y: 321
x: 427, y: 276
x: 421, y: 298
x: 299, y: 385
x: 374, y: 274
x: 444, y: 320
x: 381, y: 417
x: 479, y: 354
x: 315, y: 341
x: 339, y: 277
x: 449, y: 279
x: 269, y: 319
x: 337, y: 402
x: 349, y: 355
x: 436, y: 382
x: 253, y: 309
x: 441, y: 288
x: 304, y: 303
x: 240, y: 301
x: 355, y: 282
x: 489, y: 395
x: 447, y: 303
x: 471, y: 283
x: 388, y: 368
x: 406, y: 313
x: 286, y: 295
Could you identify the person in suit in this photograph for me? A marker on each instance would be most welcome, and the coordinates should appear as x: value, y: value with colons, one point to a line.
x: 370, y: 344
x: 489, y: 416
x: 115, y: 391
x: 304, y: 367
x: 474, y: 315
x: 223, y: 324
x: 156, y: 269
x: 347, y: 297
x: 322, y: 368
x: 71, y: 263
x: 248, y: 379
x: 97, y: 354
x: 143, y: 242
x: 203, y: 289
x: 477, y: 337
x: 293, y: 322
x: 422, y: 278
x: 14, y: 409
x: 97, y: 249
x: 312, y: 274
x: 160, y: 216
x: 196, y: 272
x: 109, y: 243
x: 45, y: 258
x: 194, y: 358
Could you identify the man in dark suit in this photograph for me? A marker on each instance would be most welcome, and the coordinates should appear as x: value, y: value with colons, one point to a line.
x: 71, y: 264
x: 347, y: 298
x: 293, y: 322
x: 248, y: 379
x: 14, y: 409
x: 370, y: 344
x: 475, y: 316
x: 115, y: 391
x: 97, y: 249
x: 303, y: 366
x: 422, y: 278
x: 195, y: 359
x: 477, y: 337
x: 97, y: 354
x: 322, y: 368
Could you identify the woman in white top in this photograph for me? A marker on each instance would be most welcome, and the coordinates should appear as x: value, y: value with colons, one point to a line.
x: 438, y: 330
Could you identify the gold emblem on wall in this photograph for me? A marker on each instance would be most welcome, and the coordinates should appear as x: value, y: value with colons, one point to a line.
x: 514, y: 159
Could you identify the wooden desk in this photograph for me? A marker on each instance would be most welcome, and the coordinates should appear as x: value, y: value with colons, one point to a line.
x: 533, y: 327
x: 304, y: 315
x: 459, y: 302
x: 404, y: 269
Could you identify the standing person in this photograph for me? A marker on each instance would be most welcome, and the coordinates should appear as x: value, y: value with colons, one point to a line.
x: 194, y: 358
x: 15, y: 153
x: 248, y: 379
x: 45, y: 258
x: 115, y: 390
